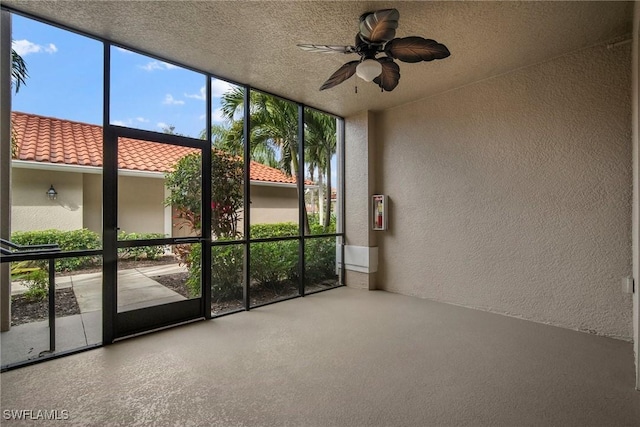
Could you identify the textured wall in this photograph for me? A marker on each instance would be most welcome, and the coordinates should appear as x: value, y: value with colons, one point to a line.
x: 360, y: 153
x: 92, y: 202
x: 32, y: 210
x: 273, y: 204
x: 636, y: 184
x: 140, y: 204
x: 514, y: 194
x: 356, y: 176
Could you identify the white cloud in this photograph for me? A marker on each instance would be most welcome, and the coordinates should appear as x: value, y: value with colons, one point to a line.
x: 170, y: 100
x: 162, y: 125
x: 157, y: 65
x: 217, y: 116
x: 202, y: 117
x: 219, y: 87
x: 201, y: 96
x: 130, y: 122
x: 120, y: 49
x: 25, y: 47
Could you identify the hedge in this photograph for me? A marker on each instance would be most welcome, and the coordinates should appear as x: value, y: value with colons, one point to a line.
x: 272, y: 263
x: 68, y: 241
x: 84, y: 239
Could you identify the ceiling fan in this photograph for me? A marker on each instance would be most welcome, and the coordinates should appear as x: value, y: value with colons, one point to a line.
x: 376, y: 36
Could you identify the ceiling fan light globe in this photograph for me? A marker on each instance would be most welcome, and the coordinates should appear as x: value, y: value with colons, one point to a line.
x: 368, y: 69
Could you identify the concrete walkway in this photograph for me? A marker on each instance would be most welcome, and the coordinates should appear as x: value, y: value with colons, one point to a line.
x: 136, y: 289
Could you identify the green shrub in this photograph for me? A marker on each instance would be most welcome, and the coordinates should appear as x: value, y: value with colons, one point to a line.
x: 226, y: 271
x: 37, y: 283
x: 148, y: 252
x: 73, y: 240
x: 316, y: 228
x: 274, y: 262
x: 20, y: 269
x: 195, y: 268
x: 280, y: 229
x: 320, y: 259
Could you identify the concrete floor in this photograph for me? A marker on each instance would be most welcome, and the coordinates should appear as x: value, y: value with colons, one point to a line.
x: 346, y: 358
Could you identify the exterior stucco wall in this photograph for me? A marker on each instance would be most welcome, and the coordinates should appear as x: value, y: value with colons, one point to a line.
x: 140, y: 204
x: 32, y: 210
x: 514, y: 194
x: 273, y: 204
x: 92, y: 205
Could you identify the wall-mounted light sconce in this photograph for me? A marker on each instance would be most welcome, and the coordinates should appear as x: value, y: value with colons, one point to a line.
x: 52, y: 193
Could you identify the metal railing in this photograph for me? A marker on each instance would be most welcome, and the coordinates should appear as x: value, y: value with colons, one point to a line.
x: 11, y: 252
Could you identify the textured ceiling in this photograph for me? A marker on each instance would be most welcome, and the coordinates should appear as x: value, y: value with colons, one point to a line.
x: 254, y: 42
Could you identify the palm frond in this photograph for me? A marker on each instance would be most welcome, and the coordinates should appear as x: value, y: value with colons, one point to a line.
x: 19, y: 72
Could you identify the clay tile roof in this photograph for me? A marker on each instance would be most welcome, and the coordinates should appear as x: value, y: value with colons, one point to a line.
x: 52, y: 140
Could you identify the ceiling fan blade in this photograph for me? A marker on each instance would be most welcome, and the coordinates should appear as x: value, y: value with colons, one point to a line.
x: 416, y: 49
x: 379, y: 26
x: 343, y: 73
x: 322, y: 48
x: 390, y: 76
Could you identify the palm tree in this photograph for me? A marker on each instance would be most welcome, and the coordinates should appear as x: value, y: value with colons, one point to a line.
x: 19, y: 76
x: 320, y: 145
x: 19, y: 71
x: 229, y: 136
x: 274, y: 135
x: 274, y: 127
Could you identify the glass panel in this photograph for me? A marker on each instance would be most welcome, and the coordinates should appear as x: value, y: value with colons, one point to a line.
x: 227, y: 190
x: 28, y: 337
x: 80, y: 279
x: 274, y: 271
x: 64, y: 72
x: 321, y: 268
x: 274, y: 165
x: 159, y: 190
x: 56, y: 142
x: 56, y: 186
x: 157, y: 274
x: 226, y: 278
x: 321, y: 172
x: 151, y: 94
x: 78, y: 308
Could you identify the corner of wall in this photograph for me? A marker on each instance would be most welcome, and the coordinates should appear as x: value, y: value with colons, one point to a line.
x: 360, y: 172
x: 636, y: 188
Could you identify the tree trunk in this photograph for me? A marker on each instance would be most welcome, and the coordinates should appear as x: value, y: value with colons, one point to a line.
x: 295, y: 170
x: 327, y: 218
x: 321, y: 197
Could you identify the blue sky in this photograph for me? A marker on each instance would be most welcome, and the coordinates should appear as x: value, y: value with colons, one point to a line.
x: 65, y: 81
